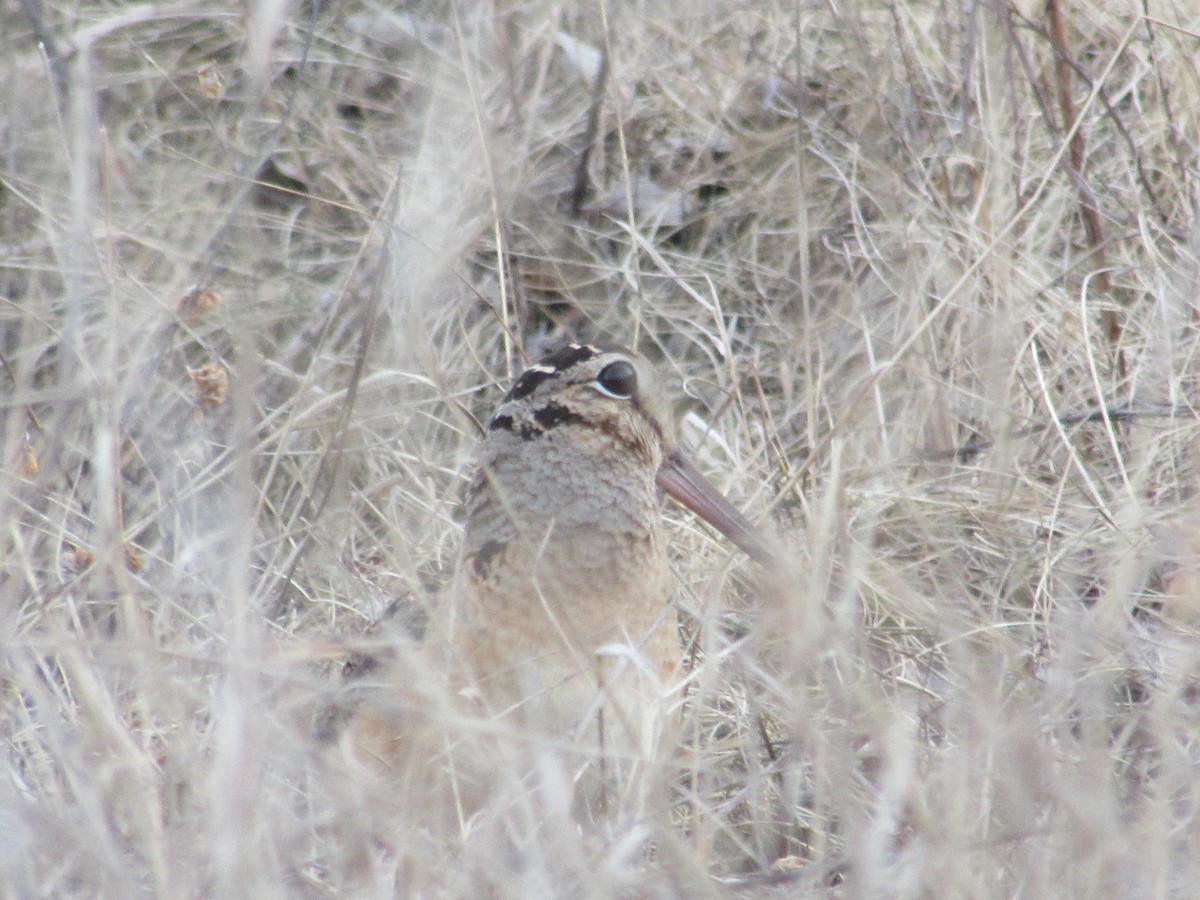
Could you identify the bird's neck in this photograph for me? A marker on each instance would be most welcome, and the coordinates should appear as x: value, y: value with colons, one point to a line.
x: 554, y: 493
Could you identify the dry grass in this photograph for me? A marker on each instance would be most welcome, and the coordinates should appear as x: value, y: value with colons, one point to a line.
x: 896, y: 255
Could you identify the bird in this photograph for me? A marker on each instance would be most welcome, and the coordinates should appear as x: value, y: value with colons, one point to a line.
x: 558, y: 627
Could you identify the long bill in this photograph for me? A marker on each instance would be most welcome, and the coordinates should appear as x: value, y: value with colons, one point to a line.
x: 684, y: 482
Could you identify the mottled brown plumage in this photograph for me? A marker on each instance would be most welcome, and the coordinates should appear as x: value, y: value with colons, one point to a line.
x: 562, y: 593
x: 558, y: 621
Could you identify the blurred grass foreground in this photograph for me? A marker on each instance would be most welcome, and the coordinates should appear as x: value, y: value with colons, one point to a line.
x: 923, y: 276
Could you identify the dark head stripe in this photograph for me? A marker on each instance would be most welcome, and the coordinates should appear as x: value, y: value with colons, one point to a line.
x: 526, y: 431
x: 527, y: 383
x: 554, y: 414
x: 544, y: 419
x: 570, y: 355
x: 556, y: 362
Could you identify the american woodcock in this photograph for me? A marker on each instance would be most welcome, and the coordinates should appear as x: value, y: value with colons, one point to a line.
x: 559, y: 619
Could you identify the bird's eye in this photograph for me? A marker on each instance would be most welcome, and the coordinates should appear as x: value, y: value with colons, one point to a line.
x: 618, y: 380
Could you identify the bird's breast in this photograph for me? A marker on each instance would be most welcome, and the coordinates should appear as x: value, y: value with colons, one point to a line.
x: 552, y: 630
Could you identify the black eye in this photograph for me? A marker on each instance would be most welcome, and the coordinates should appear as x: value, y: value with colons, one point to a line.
x: 617, y: 379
